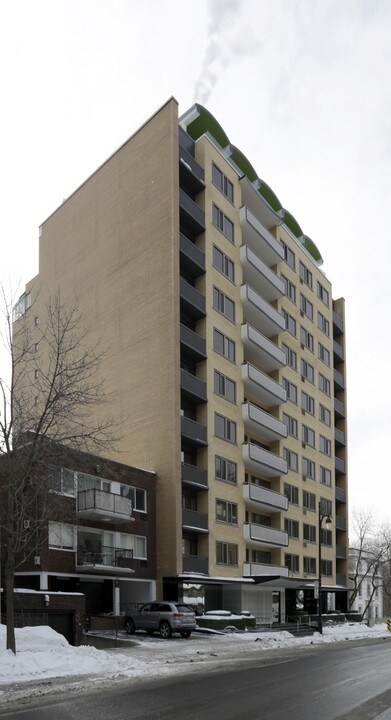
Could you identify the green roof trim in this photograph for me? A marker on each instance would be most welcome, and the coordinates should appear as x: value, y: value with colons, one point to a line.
x: 270, y: 197
x: 312, y: 249
x: 292, y: 224
x: 205, y: 122
x: 243, y: 163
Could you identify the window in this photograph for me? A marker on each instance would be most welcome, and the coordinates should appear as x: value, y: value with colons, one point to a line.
x: 291, y: 356
x: 223, y: 304
x: 62, y: 481
x: 307, y: 403
x: 223, y: 345
x: 225, y: 428
x: 325, y: 476
x: 323, y: 294
x: 61, y: 536
x: 292, y: 528
x: 306, y: 307
x: 292, y: 493
x: 308, y: 468
x: 292, y: 563
x: 21, y: 307
x: 323, y: 354
x: 305, y: 274
x: 323, y: 324
x: 136, y: 543
x: 223, y: 223
x: 309, y: 533
x: 309, y: 565
x: 291, y: 424
x: 306, y: 339
x: 308, y: 500
x: 326, y: 506
x: 292, y: 459
x: 91, y: 482
x: 261, y: 556
x: 223, y: 264
x: 259, y: 519
x: 326, y: 537
x: 289, y: 255
x: 289, y: 289
x: 138, y: 496
x: 226, y: 512
x: 324, y: 415
x: 307, y: 436
x: 291, y: 390
x: 327, y: 567
x: 226, y: 553
x: 225, y: 470
x: 307, y: 371
x: 225, y: 387
x: 221, y: 181
x: 324, y: 384
x: 290, y: 322
x: 325, y: 445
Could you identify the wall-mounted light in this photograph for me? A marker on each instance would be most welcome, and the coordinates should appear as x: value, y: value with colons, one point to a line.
x: 47, y: 600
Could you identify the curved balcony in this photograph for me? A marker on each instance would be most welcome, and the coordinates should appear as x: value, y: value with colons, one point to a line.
x: 259, y: 275
x: 262, y: 424
x: 263, y: 461
x: 262, y: 536
x: 260, y: 350
x: 261, y: 387
x: 259, y: 239
x: 261, y: 498
x: 259, y: 313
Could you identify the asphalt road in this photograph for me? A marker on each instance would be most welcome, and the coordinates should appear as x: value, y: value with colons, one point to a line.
x: 349, y: 681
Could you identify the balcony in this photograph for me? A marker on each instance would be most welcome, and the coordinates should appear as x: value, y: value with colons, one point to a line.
x: 191, y: 174
x: 193, y: 432
x: 262, y: 424
x: 192, y: 343
x: 261, y: 498
x: 259, y: 275
x: 195, y: 564
x: 340, y: 523
x: 341, y: 579
x: 192, y: 259
x: 104, y: 557
x: 339, y: 409
x: 192, y: 301
x: 194, y: 521
x: 339, y: 381
x: 260, y: 350
x: 338, y: 352
x: 340, y: 494
x: 263, y: 461
x: 258, y: 205
x: 259, y: 239
x: 99, y: 505
x: 260, y: 535
x: 337, y: 324
x: 195, y: 476
x: 339, y: 466
x: 340, y: 552
x: 257, y: 569
x: 261, y: 387
x: 260, y: 314
x: 339, y: 437
x: 193, y: 388
x: 190, y: 214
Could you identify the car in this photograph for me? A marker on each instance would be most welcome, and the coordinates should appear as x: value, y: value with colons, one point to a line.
x: 163, y: 617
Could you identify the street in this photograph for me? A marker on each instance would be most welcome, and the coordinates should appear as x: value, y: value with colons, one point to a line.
x: 346, y: 680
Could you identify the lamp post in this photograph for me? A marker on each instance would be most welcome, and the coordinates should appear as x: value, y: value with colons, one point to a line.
x: 321, y: 516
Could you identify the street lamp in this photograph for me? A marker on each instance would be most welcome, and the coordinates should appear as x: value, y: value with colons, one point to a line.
x: 321, y: 516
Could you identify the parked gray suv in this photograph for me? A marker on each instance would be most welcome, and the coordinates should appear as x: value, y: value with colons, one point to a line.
x: 163, y: 617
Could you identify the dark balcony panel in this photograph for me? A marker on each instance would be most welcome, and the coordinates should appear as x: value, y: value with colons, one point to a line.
x: 340, y: 552
x: 340, y: 495
x: 195, y: 476
x: 337, y: 324
x: 195, y: 564
x: 339, y: 409
x: 190, y: 214
x: 194, y: 521
x: 341, y: 579
x: 191, y: 174
x: 193, y: 388
x: 192, y: 343
x: 194, y: 432
x: 339, y: 466
x: 340, y: 523
x: 338, y: 352
x: 186, y: 142
x: 192, y: 301
x: 192, y: 259
x: 339, y: 437
x: 339, y: 381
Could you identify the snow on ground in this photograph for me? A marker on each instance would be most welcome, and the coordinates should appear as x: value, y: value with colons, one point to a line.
x: 42, y: 653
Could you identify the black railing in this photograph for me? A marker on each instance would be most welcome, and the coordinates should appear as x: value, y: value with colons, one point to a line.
x: 104, y: 555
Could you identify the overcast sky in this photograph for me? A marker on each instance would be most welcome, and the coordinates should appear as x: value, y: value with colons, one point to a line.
x: 302, y: 87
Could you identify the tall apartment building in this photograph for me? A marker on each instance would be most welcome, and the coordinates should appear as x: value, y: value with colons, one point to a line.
x: 225, y: 361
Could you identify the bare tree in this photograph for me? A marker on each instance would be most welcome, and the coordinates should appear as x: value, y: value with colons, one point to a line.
x: 369, y: 556
x: 49, y: 395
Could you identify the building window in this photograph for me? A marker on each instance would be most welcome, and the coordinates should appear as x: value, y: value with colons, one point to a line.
x: 292, y: 493
x: 326, y: 537
x: 289, y: 255
x: 223, y: 223
x: 62, y: 480
x: 291, y: 390
x: 307, y: 371
x: 138, y: 496
x: 306, y: 339
x: 226, y: 512
x: 223, y: 345
x: 226, y: 553
x: 290, y: 322
x: 308, y: 500
x: 323, y: 324
x: 292, y: 459
x: 136, y: 543
x: 291, y: 356
x: 323, y: 354
x: 308, y: 468
x: 225, y: 428
x: 307, y: 403
x: 305, y: 274
x: 61, y: 536
x: 291, y: 424
x: 261, y: 556
x: 324, y: 415
x: 323, y: 294
x: 309, y: 533
x: 308, y: 436
x: 225, y: 470
x: 289, y: 288
x: 326, y: 506
x: 324, y: 385
x: 223, y: 304
x: 325, y: 445
x: 292, y: 528
x: 225, y: 387
x: 223, y: 264
x: 325, y: 476
x: 292, y: 563
x: 327, y: 568
x: 309, y: 565
x: 91, y: 482
x: 21, y: 307
x: 222, y: 183
x: 306, y: 307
